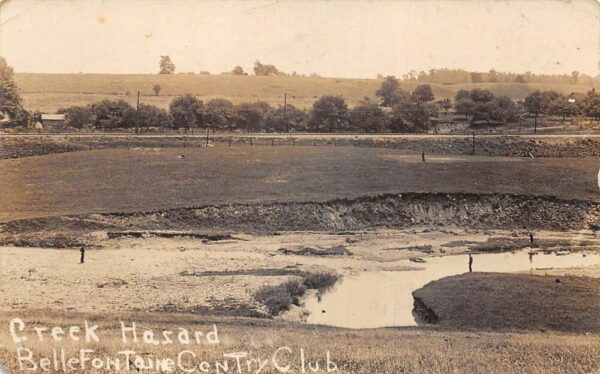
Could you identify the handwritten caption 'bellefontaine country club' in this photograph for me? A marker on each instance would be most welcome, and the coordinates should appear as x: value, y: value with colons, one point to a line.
x: 282, y: 359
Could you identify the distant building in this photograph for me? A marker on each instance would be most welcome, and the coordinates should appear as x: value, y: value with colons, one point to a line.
x: 53, y: 120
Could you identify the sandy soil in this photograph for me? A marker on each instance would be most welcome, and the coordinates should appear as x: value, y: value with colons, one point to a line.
x: 185, y: 274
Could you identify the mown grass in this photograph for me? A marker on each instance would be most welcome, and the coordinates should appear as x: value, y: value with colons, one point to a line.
x: 131, y: 181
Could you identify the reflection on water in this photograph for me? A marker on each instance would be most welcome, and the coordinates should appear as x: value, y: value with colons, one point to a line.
x: 384, y: 298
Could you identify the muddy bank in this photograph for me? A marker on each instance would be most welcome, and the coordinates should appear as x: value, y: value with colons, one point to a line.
x: 16, y: 146
x: 396, y: 211
x: 511, y: 301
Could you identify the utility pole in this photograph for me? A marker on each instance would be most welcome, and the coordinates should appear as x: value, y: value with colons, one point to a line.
x: 473, y: 142
x: 285, y: 112
x: 137, y: 114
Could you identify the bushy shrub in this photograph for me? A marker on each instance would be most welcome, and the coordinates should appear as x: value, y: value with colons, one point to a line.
x: 275, y: 298
x: 279, y: 298
x: 319, y: 280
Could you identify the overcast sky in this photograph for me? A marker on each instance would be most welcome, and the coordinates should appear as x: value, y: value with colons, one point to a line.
x: 331, y: 38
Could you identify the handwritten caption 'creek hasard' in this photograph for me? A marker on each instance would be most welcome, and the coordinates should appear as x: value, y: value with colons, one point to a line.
x: 187, y: 359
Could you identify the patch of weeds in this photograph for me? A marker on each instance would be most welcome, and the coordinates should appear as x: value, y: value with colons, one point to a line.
x: 279, y: 298
x: 319, y: 280
x: 46, y: 241
x: 336, y: 250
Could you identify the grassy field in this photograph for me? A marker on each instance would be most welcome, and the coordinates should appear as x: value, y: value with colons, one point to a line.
x: 514, y: 301
x: 365, y: 351
x: 539, y: 146
x: 48, y: 92
x: 153, y: 179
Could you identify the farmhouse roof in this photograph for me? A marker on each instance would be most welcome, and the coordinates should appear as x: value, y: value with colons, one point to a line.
x: 53, y: 117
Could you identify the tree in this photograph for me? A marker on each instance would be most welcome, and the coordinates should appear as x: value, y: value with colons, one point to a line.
x: 408, y: 116
x: 462, y: 94
x: 166, y: 65
x: 499, y: 110
x: 509, y: 109
x: 329, y: 112
x: 538, y: 103
x: 152, y: 116
x: 575, y: 77
x: 368, y: 117
x: 265, y: 69
x: 520, y: 78
x: 481, y: 96
x: 476, y: 77
x: 112, y: 114
x: 464, y: 106
x: 445, y: 104
x: 591, y: 105
x: 237, y: 70
x: 156, y: 88
x: 77, y: 116
x: 562, y: 106
x: 186, y: 112
x: 220, y: 114
x: 10, y: 100
x: 422, y: 94
x: 534, y: 104
x: 390, y: 92
x: 250, y: 116
x: 286, y: 119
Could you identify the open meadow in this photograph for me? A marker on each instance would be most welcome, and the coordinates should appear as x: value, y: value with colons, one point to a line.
x: 148, y: 179
x: 49, y: 92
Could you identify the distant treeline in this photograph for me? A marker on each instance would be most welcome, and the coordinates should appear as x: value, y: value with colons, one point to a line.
x: 396, y: 110
x: 434, y: 76
x: 457, y: 76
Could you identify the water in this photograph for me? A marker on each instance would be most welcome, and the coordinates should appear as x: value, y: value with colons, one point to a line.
x: 384, y: 298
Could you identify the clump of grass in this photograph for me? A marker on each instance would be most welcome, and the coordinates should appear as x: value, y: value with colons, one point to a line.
x: 279, y: 298
x: 295, y: 289
x: 320, y: 280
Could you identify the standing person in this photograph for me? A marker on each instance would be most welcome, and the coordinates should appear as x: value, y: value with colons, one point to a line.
x: 423, y: 156
x: 470, y: 263
x: 82, y: 259
x: 531, y: 239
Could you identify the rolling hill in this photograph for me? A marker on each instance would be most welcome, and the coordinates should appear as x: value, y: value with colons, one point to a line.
x: 48, y: 92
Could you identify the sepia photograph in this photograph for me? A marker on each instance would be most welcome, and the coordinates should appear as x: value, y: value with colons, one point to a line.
x: 299, y: 186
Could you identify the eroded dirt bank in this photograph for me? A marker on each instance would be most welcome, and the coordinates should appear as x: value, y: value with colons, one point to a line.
x: 396, y: 211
